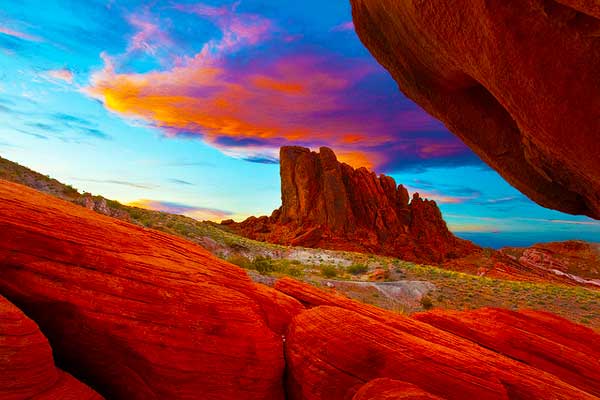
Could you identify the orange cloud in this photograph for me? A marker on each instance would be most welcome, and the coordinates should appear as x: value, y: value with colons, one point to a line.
x: 263, y: 82
x: 357, y: 159
x: 206, y: 98
x: 250, y: 108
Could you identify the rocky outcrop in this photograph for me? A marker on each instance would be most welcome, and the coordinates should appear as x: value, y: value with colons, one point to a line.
x: 328, y: 204
x: 552, y: 348
x: 517, y: 81
x: 572, y: 260
x: 100, y: 205
x: 136, y: 313
x: 27, y: 368
x: 389, y: 389
x: 529, y: 264
x: 332, y: 352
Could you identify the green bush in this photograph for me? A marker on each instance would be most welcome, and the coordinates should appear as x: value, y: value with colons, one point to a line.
x: 328, y: 271
x: 263, y: 265
x: 357, y: 269
x: 296, y: 272
x: 240, y: 261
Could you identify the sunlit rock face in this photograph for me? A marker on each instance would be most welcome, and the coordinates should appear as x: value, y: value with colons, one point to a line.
x: 517, y: 81
x: 329, y: 204
x: 546, y: 341
x: 138, y: 313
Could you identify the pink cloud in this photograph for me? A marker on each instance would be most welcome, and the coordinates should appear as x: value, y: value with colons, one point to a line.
x: 512, y: 220
x: 441, y: 198
x: 239, y: 30
x: 63, y: 74
x: 564, y: 221
x: 20, y: 35
x: 346, y: 26
x: 149, y: 36
x: 198, y: 213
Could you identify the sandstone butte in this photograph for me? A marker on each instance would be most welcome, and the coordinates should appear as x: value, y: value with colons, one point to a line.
x: 330, y: 205
x: 139, y: 314
x: 516, y: 80
x: 27, y: 368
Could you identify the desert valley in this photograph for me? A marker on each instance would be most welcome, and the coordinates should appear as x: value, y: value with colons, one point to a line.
x: 356, y: 286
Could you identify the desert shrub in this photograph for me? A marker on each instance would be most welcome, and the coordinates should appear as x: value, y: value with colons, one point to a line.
x: 357, y: 269
x: 328, y: 271
x: 263, y: 265
x: 288, y: 267
x: 295, y: 271
x: 240, y: 261
x: 230, y: 241
x: 426, y: 302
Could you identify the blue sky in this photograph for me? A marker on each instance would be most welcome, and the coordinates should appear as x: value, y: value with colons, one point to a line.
x: 182, y: 106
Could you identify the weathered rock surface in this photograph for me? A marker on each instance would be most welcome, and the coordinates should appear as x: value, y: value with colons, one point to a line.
x: 27, y: 368
x: 527, y: 264
x: 328, y: 204
x: 521, y: 381
x: 517, y: 81
x: 574, y: 260
x: 100, y: 205
x: 389, y: 389
x: 552, y: 348
x: 331, y: 352
x: 136, y: 313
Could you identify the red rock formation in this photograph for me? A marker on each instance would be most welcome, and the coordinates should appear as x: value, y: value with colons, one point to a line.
x: 521, y: 381
x: 27, y: 368
x: 389, y: 389
x: 552, y: 348
x: 517, y: 81
x: 532, y: 266
x: 331, y: 205
x: 332, y: 352
x: 573, y: 260
x: 136, y: 313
